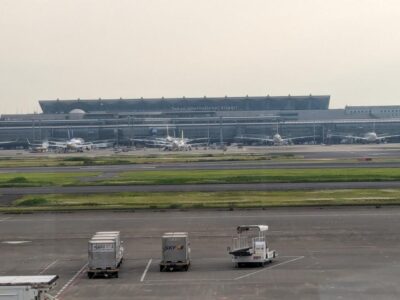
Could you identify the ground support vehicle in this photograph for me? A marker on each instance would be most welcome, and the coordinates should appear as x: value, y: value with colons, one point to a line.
x: 27, y: 287
x: 175, y: 251
x: 250, y: 246
x: 105, y: 254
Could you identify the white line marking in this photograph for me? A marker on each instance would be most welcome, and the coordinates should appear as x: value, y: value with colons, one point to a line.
x: 145, y: 270
x: 265, y: 269
x: 70, y: 281
x: 5, y: 219
x: 16, y: 242
x: 48, y: 267
x: 186, y: 280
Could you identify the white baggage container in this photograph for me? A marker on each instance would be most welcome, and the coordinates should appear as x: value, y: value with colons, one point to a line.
x: 175, y: 251
x: 105, y: 255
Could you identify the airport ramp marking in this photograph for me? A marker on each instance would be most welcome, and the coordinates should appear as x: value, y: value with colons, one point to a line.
x: 225, y: 280
x: 145, y: 270
x: 16, y: 242
x: 5, y: 219
x: 63, y: 289
x: 48, y: 267
x: 269, y: 268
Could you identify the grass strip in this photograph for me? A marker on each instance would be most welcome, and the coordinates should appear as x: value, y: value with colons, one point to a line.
x: 187, y: 200
x: 201, y: 177
x: 42, y: 179
x: 253, y: 176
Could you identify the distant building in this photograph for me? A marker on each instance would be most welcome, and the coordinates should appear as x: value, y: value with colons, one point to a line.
x: 227, y: 104
x: 219, y: 118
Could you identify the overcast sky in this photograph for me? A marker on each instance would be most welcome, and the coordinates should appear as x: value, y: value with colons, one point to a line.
x: 71, y: 49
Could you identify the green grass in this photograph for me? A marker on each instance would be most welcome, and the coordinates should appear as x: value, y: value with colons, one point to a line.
x: 202, y: 177
x: 42, y: 179
x: 198, y: 200
x: 254, y: 176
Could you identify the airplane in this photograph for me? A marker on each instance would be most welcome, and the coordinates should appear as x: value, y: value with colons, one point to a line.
x: 170, y: 143
x: 39, y: 147
x: 74, y: 144
x: 369, y: 137
x: 13, y: 144
x: 276, y: 140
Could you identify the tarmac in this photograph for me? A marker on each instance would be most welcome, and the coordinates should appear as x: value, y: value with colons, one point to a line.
x: 324, y: 253
x: 313, y: 157
x: 330, y: 253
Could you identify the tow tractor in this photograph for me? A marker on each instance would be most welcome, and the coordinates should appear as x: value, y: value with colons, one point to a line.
x: 250, y: 246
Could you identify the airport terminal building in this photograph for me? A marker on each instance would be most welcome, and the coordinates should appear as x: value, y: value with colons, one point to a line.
x: 219, y: 118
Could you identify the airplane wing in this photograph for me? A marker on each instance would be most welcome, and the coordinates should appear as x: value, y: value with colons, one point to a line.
x: 388, y: 137
x: 153, y: 142
x: 7, y: 142
x: 57, y: 145
x: 349, y: 137
x: 256, y: 139
x: 103, y: 144
x: 299, y: 138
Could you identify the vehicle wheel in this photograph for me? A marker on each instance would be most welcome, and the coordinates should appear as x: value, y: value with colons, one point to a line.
x: 186, y: 268
x: 161, y: 268
x: 90, y: 275
x: 116, y: 275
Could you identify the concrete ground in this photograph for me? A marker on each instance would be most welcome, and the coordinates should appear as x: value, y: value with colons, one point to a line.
x: 308, y: 151
x: 330, y: 253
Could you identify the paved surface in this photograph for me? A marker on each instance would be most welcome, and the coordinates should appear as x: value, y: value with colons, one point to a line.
x: 343, y: 253
x: 311, y: 152
x: 112, y: 170
x: 4, y: 192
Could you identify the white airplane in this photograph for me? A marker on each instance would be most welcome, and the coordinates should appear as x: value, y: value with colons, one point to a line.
x: 74, y: 144
x: 369, y: 137
x: 170, y: 143
x: 13, y: 144
x: 39, y: 147
x: 276, y: 140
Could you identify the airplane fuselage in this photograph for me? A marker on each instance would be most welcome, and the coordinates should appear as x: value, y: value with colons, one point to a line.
x: 371, y: 137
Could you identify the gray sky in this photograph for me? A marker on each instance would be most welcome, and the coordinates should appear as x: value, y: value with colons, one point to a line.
x: 72, y: 49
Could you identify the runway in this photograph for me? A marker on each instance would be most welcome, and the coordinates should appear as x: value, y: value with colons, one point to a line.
x: 332, y: 253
